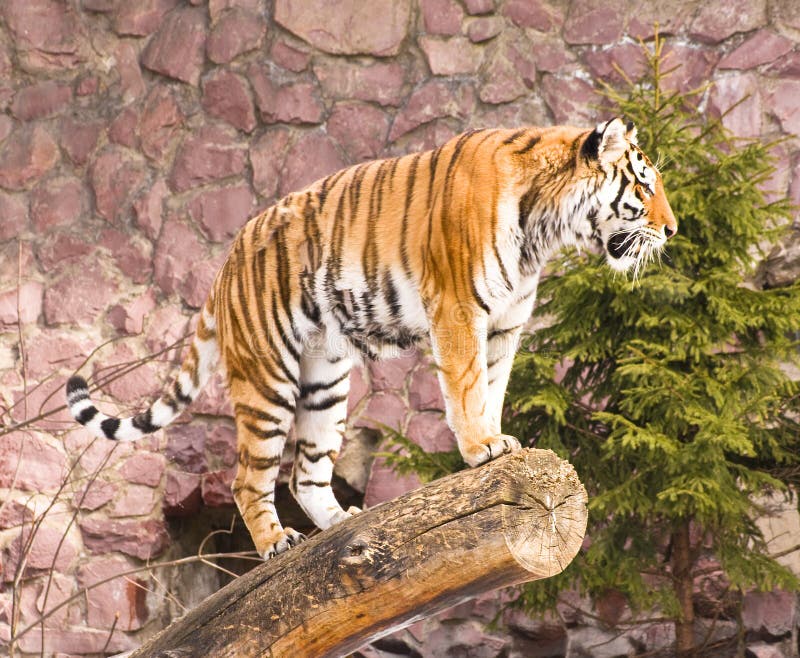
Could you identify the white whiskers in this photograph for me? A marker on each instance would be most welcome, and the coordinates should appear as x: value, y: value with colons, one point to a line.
x: 643, y: 245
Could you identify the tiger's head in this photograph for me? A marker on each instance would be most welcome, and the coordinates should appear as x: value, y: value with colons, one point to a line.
x: 631, y: 218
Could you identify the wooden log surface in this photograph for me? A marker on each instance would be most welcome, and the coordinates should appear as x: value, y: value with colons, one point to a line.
x: 518, y: 518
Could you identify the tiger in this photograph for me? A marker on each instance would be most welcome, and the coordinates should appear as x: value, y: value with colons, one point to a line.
x: 443, y: 248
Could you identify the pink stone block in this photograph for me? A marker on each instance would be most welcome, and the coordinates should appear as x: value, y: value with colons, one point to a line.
x: 347, y: 27
x: 116, y: 176
x: 782, y: 103
x: 59, y: 203
x: 424, y: 392
x: 716, y: 20
x: 220, y: 214
x: 209, y: 154
x: 14, y: 212
x: 288, y: 57
x: 160, y: 122
x: 95, y: 494
x: 391, y: 374
x: 26, y: 156
x: 360, y: 129
x: 120, y: 602
x: 182, y: 496
x: 227, y: 97
x: 312, y: 157
x: 763, y: 47
x: 381, y: 82
x: 434, y: 99
x: 141, y: 539
x: 267, y: 156
x: 216, y: 488
x: 177, y: 250
x: 79, y: 300
x: 485, y: 28
x: 741, y: 91
x: 453, y: 56
x: 128, y: 318
x: 358, y: 389
x: 141, y: 18
x: 178, y: 47
x: 383, y: 410
x: 285, y: 103
x: 54, y: 547
x: 593, y: 22
x: 144, y: 468
x: 37, y: 465
x: 570, y: 99
x: 538, y: 14
x: 40, y: 100
x: 132, y: 255
x: 429, y: 430
x: 236, y: 32
x: 384, y: 484
x: 441, y: 17
x: 23, y: 304
x: 133, y: 500
x: 186, y: 447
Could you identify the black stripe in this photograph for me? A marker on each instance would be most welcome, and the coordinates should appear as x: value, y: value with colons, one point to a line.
x: 264, y: 434
x: 412, y: 176
x: 478, y: 298
x: 76, y: 383
x: 313, y: 483
x: 500, y: 332
x: 308, y: 389
x: 392, y: 298
x: 144, y: 422
x: 514, y: 137
x: 261, y: 463
x: 624, y: 180
x: 326, y: 403
x: 86, y: 415
x: 182, y: 397
x: 241, y: 408
x: 110, y: 427
x: 532, y: 142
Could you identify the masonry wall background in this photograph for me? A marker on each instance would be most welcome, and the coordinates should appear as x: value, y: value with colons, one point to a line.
x: 136, y: 137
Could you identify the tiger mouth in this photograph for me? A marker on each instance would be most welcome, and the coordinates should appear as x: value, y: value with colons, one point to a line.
x: 619, y: 245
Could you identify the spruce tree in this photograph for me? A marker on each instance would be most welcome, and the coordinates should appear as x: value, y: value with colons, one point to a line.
x: 666, y: 393
x: 670, y: 399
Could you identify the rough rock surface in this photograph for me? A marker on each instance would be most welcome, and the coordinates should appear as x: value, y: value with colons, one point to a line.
x: 136, y: 137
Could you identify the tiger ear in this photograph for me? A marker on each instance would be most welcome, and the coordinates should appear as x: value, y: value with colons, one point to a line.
x: 607, y: 142
x: 631, y: 133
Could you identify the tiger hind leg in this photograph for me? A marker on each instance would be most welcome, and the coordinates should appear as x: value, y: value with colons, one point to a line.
x: 320, y: 426
x: 262, y: 427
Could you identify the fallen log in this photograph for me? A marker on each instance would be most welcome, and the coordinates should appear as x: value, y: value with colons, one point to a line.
x: 519, y: 518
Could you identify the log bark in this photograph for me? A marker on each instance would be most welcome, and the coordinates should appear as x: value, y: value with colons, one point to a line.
x: 518, y: 518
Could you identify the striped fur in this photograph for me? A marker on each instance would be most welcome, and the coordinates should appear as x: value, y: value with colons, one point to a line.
x: 446, y: 246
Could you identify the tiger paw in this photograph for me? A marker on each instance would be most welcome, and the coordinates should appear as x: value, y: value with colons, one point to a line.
x: 343, y: 515
x: 288, y: 537
x: 490, y: 448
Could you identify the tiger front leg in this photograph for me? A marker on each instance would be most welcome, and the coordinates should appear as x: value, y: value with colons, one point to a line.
x: 458, y: 338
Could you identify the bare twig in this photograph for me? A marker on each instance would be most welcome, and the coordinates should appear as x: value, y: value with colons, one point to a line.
x: 247, y: 555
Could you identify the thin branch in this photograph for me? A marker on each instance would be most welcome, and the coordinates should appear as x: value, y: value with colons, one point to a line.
x: 247, y: 555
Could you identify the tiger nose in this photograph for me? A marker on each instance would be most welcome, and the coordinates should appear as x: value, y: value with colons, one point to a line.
x: 669, y: 231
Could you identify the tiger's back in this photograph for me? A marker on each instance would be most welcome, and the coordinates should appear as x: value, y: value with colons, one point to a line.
x: 444, y: 245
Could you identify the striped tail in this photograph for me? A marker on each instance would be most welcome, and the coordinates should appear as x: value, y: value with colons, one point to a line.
x: 196, y: 370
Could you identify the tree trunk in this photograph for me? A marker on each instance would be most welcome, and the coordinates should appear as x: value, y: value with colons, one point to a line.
x: 684, y: 590
x: 519, y: 518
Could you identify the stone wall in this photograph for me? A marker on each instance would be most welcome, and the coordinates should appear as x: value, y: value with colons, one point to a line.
x: 136, y: 137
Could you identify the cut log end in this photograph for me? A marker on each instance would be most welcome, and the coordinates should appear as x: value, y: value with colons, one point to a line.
x: 546, y: 533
